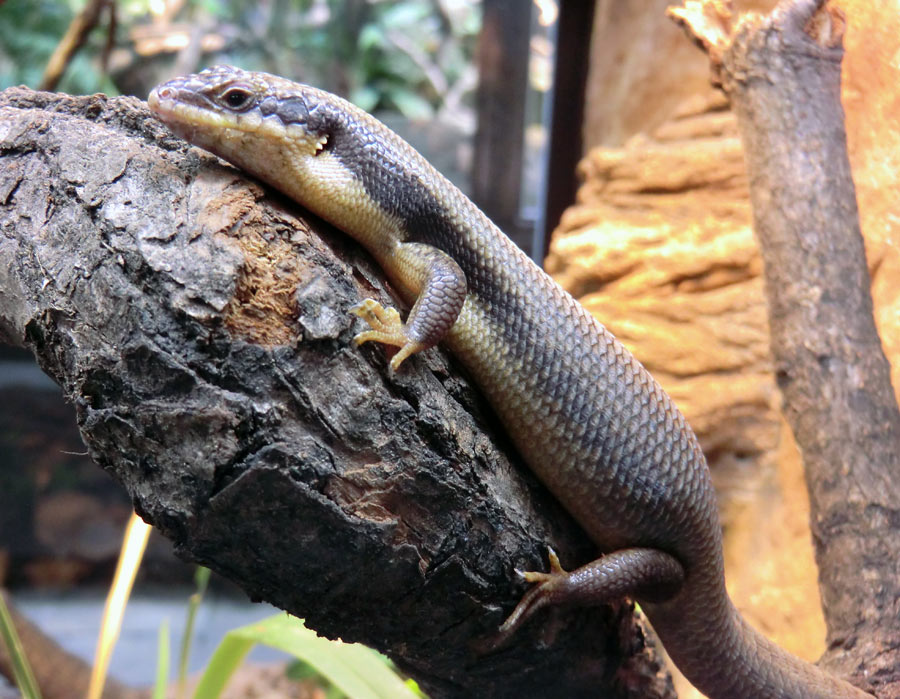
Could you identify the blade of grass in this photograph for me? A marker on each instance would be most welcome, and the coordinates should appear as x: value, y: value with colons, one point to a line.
x: 21, y: 669
x: 133, y: 545
x: 162, y: 661
x: 201, y: 580
x: 225, y: 660
x: 357, y: 671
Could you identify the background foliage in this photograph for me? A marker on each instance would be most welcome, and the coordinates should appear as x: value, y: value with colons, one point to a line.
x: 411, y: 56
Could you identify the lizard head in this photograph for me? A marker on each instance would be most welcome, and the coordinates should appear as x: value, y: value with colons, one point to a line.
x: 317, y: 148
x: 266, y: 125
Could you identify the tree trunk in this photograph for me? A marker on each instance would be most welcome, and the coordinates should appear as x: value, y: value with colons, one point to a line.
x: 782, y: 74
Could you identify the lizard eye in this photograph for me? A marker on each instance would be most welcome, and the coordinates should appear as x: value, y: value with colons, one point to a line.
x: 238, y: 99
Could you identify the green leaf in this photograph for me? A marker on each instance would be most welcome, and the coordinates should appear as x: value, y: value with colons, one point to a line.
x: 371, y: 36
x: 412, y: 105
x: 357, y: 671
x: 201, y: 582
x: 225, y: 660
x: 405, y: 14
x: 300, y: 670
x: 365, y: 97
x: 21, y: 669
x: 162, y: 661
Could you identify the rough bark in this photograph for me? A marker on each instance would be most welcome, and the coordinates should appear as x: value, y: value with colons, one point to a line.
x: 199, y: 326
x: 782, y: 74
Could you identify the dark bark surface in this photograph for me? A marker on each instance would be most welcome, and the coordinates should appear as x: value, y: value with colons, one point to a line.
x: 199, y: 325
x: 782, y: 73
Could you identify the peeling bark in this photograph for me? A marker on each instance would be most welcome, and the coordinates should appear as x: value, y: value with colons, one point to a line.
x: 199, y: 325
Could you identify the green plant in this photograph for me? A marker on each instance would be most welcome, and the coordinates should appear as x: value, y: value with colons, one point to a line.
x: 353, y: 669
x: 21, y: 669
x: 201, y: 580
x: 162, y: 662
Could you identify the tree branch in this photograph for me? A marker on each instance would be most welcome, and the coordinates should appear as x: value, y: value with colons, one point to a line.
x: 782, y: 75
x: 75, y: 37
x: 200, y: 328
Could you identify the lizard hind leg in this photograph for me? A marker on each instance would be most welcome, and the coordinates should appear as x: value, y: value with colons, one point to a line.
x: 644, y: 573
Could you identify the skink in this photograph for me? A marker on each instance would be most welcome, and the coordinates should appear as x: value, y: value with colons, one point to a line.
x: 590, y: 421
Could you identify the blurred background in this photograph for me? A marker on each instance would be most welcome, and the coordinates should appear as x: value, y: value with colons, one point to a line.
x: 464, y: 81
x: 587, y: 129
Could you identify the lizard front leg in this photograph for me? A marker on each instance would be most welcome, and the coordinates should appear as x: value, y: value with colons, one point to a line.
x: 442, y: 292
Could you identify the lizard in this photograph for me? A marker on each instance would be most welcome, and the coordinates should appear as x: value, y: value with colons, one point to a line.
x: 591, y: 422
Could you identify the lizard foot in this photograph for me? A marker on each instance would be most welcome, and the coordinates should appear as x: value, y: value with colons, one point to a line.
x: 387, y: 328
x: 547, y: 587
x: 640, y: 573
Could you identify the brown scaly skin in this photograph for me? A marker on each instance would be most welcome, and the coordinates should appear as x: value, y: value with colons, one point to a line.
x: 587, y: 417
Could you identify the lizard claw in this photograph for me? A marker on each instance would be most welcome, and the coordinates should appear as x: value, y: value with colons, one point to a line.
x: 387, y: 328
